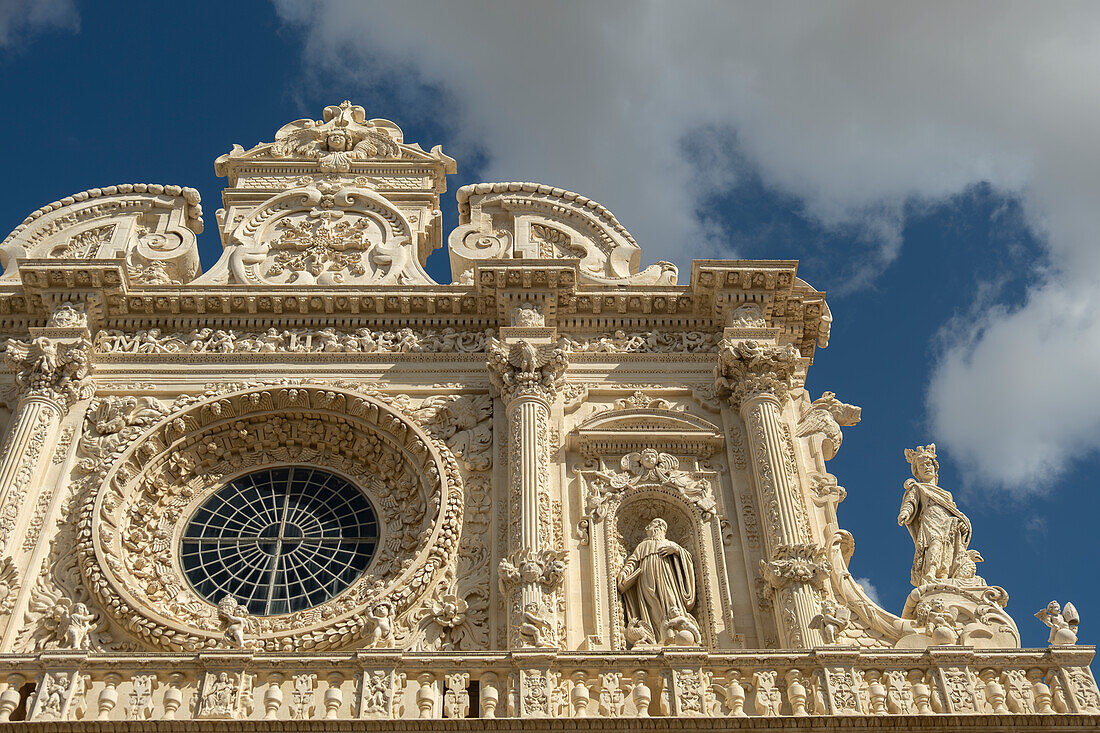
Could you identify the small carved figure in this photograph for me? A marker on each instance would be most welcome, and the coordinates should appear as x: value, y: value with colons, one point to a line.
x: 218, y: 700
x: 833, y: 619
x: 657, y: 579
x: 53, y: 696
x: 77, y: 626
x: 381, y: 616
x: 681, y: 629
x: 1062, y: 621
x: 940, y: 622
x: 638, y: 634
x: 535, y: 630
x: 235, y: 618
x: 940, y: 531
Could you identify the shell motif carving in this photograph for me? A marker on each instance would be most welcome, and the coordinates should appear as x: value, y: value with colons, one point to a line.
x: 130, y: 523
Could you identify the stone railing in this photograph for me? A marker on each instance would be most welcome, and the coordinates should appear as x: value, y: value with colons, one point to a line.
x: 68, y: 685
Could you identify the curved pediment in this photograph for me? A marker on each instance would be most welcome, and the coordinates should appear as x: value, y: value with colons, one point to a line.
x: 534, y: 221
x: 620, y: 430
x: 325, y: 233
x: 149, y: 226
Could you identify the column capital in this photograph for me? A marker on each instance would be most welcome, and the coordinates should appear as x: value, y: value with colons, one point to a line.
x: 54, y: 369
x: 798, y: 564
x: 748, y: 369
x: 523, y: 368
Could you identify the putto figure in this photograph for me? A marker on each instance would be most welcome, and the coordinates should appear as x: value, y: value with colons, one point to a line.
x: 940, y: 531
x: 1062, y: 622
x: 234, y: 617
x: 657, y: 584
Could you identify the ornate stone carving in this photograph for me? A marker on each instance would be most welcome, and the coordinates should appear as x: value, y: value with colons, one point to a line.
x: 53, y: 369
x: 657, y: 584
x: 824, y: 417
x: 524, y: 368
x: 235, y: 621
x: 941, y: 532
x: 1063, y: 621
x: 225, y: 695
x: 545, y: 567
x: 182, y: 458
x: 805, y: 564
x: 649, y: 467
x: 645, y: 342
x: 832, y: 620
x: 504, y: 221
x: 749, y: 368
x: 58, y: 696
x: 295, y: 341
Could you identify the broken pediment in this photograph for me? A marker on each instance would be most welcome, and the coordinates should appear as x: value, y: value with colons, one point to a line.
x: 533, y: 221
x: 150, y: 227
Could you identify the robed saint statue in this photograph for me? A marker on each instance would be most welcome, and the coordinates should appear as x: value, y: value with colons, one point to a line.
x: 940, y: 531
x: 657, y: 584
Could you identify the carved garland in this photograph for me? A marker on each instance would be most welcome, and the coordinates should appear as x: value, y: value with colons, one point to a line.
x: 127, y: 523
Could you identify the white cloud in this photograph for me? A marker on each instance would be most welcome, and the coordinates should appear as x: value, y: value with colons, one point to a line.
x: 870, y: 589
x: 19, y: 18
x: 853, y: 108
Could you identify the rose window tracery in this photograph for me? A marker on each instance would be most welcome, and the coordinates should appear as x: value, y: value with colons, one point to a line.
x: 280, y: 540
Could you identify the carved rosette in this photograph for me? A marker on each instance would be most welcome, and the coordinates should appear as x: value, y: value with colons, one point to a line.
x: 55, y: 370
x: 748, y: 369
x: 130, y: 520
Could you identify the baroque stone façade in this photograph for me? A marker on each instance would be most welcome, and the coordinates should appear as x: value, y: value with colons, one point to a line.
x: 599, y: 492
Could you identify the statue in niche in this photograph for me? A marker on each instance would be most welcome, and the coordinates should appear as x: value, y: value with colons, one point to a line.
x: 1062, y: 622
x: 940, y: 531
x: 657, y: 584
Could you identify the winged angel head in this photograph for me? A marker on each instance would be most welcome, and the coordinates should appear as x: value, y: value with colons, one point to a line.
x: 344, y: 135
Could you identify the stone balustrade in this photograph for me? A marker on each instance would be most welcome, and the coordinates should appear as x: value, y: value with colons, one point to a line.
x: 384, y: 684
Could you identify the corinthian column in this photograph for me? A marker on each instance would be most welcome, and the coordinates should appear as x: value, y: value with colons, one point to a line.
x: 757, y: 378
x: 50, y: 374
x: 527, y: 377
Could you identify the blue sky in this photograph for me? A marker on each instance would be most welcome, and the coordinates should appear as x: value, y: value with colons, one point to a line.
x: 937, y: 173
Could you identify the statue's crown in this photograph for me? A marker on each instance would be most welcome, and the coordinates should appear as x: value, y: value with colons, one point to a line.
x: 912, y: 454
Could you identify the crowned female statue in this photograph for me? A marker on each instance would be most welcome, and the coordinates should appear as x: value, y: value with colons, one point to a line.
x: 940, y: 531
x: 657, y: 584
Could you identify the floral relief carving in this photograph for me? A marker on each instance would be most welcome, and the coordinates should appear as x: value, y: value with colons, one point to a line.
x: 645, y: 342
x: 53, y: 369
x: 750, y: 368
x: 525, y: 368
x: 186, y: 455
x: 327, y: 340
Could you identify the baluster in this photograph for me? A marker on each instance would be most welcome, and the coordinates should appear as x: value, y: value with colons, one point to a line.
x: 108, y: 696
x: 173, y: 696
x: 922, y: 693
x: 334, y: 696
x: 877, y: 691
x: 735, y: 694
x: 1043, y: 697
x: 796, y: 692
x: 273, y: 696
x: 641, y: 695
x: 579, y: 696
x: 425, y: 696
x: 9, y: 699
x: 490, y: 695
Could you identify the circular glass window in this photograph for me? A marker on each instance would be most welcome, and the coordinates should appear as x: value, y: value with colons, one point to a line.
x: 280, y: 540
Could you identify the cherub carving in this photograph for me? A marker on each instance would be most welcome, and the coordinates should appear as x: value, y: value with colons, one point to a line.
x: 344, y: 136
x: 940, y: 622
x: 235, y: 620
x: 1062, y: 621
x: 535, y: 630
x: 381, y: 616
x: 78, y: 625
x: 833, y: 619
x: 524, y: 365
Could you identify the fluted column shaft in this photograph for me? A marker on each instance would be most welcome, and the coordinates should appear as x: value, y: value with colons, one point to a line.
x: 785, y: 517
x: 757, y: 377
x: 30, y: 440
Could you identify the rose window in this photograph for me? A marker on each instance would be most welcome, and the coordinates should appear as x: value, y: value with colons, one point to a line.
x: 280, y: 540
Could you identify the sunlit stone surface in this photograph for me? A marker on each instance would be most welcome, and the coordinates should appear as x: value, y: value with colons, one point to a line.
x: 311, y: 484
